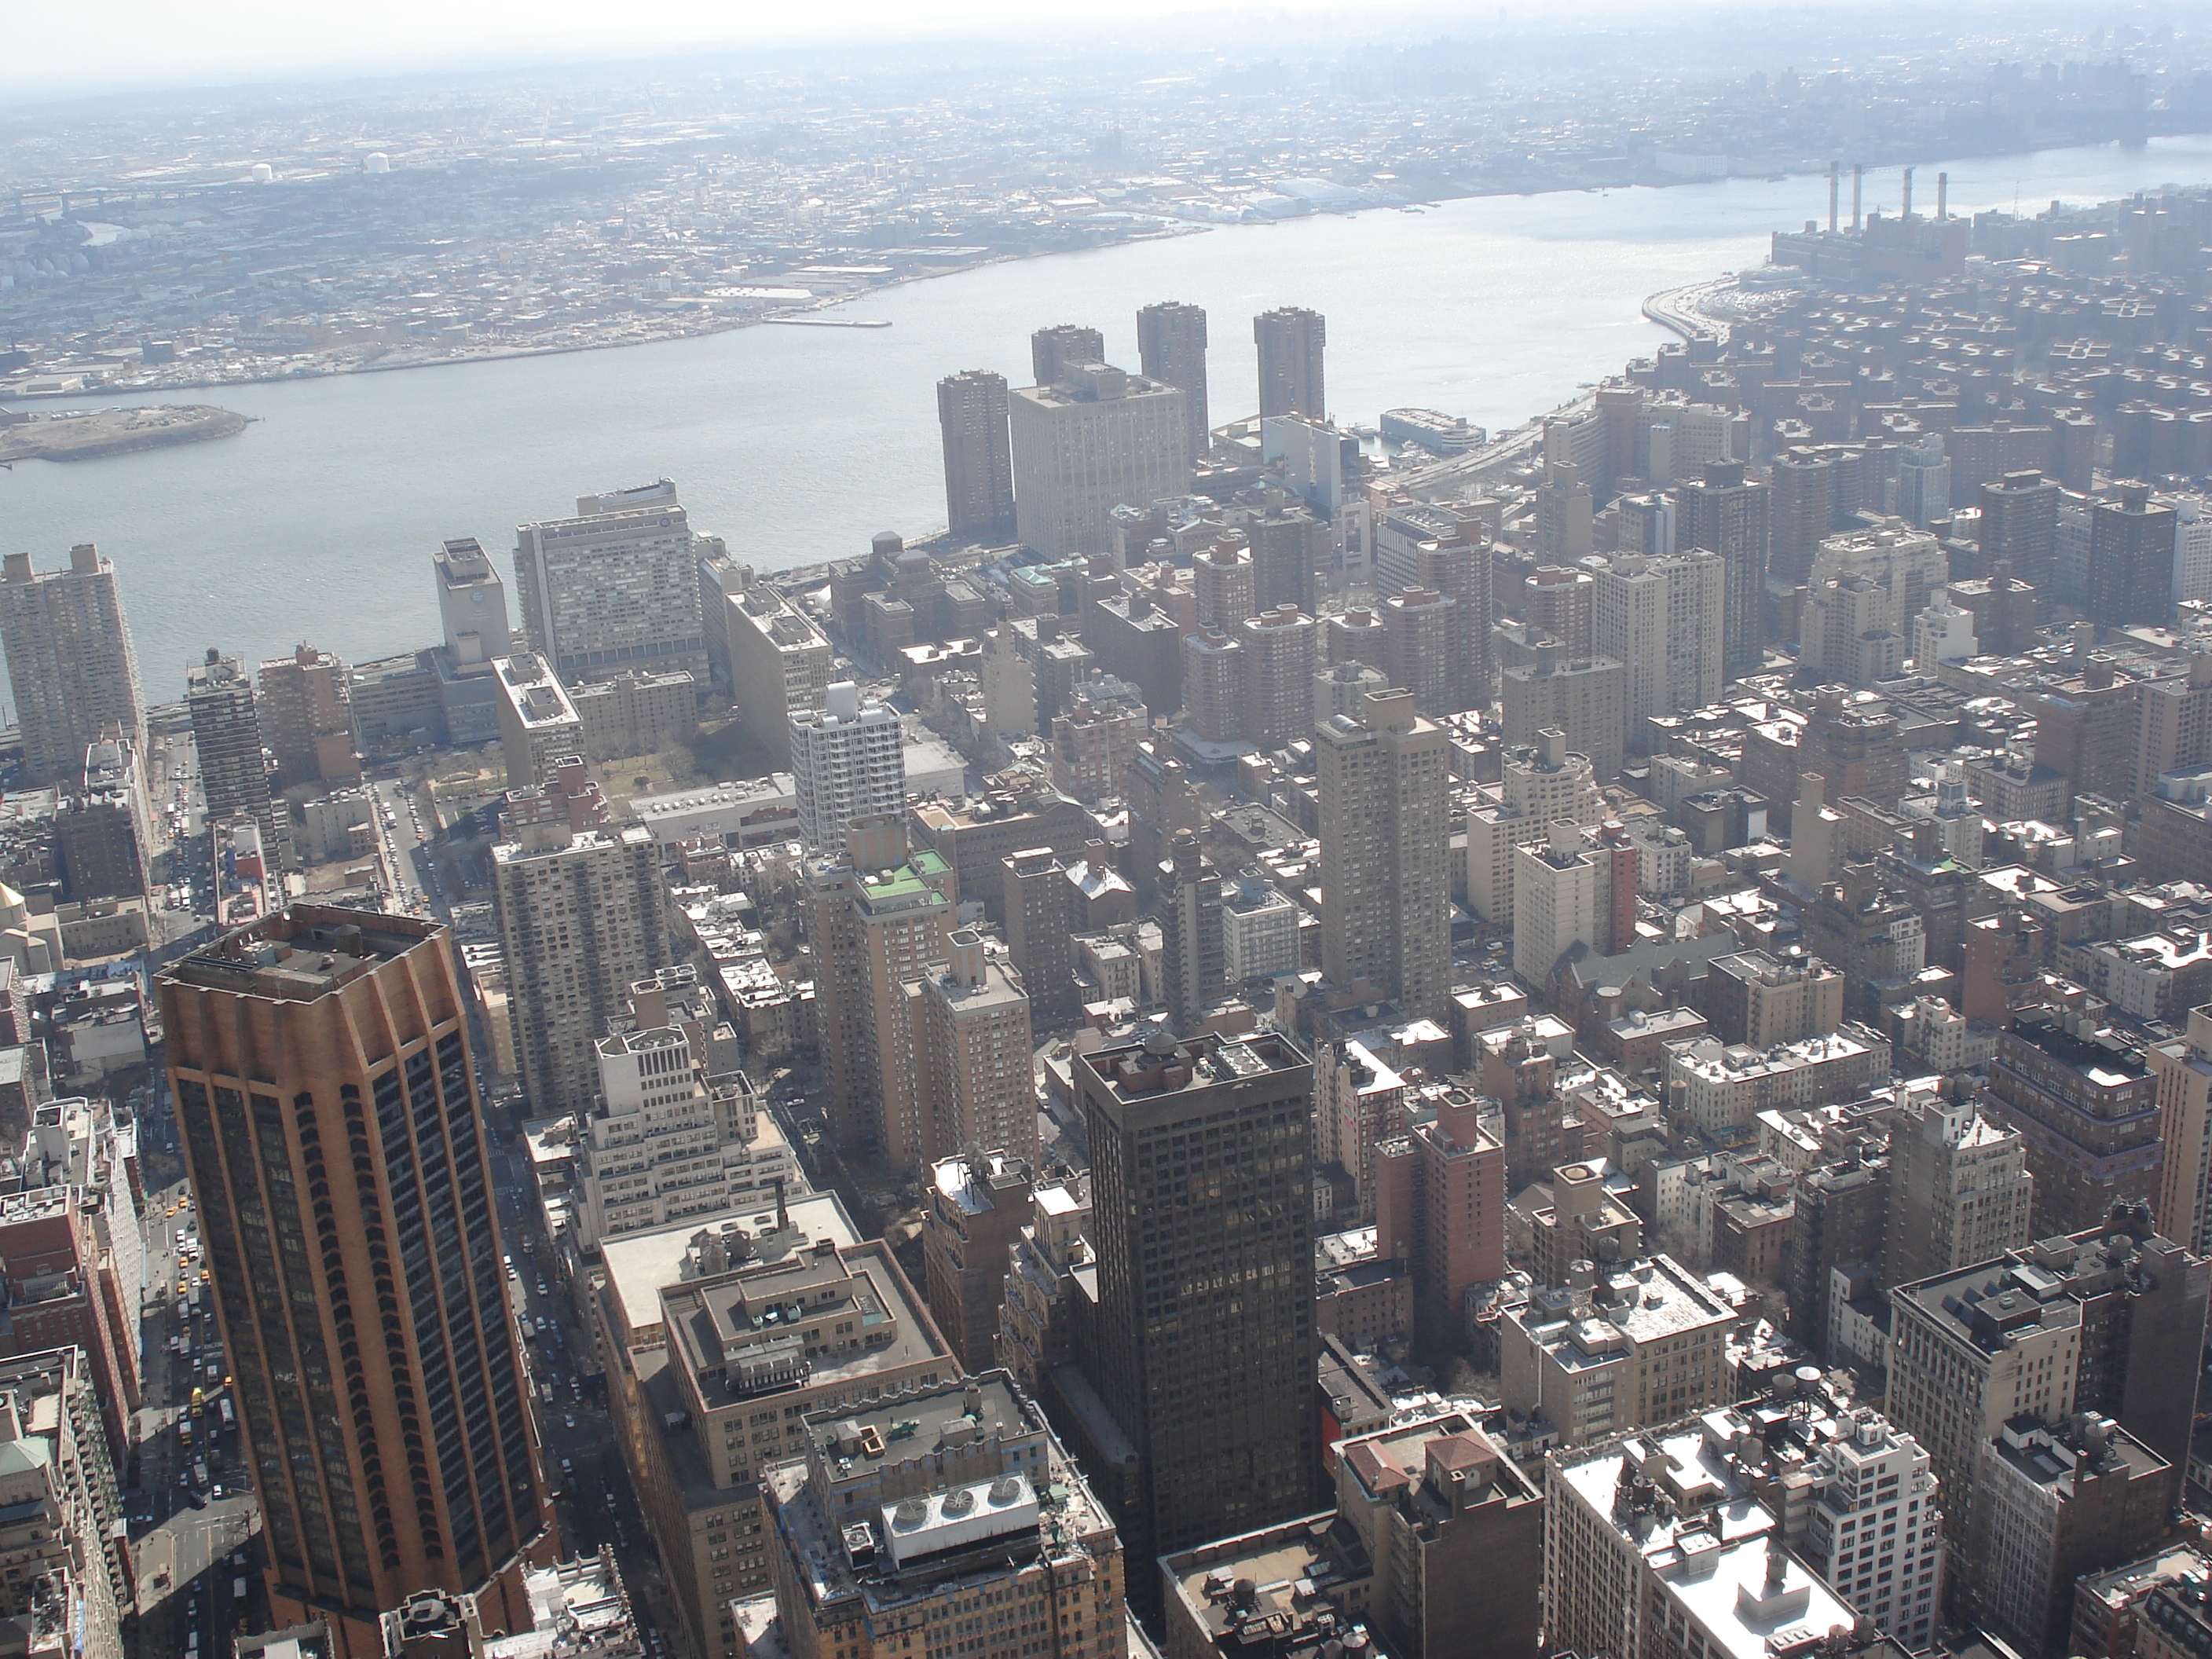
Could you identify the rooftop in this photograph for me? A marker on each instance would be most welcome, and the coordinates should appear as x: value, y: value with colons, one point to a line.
x: 300, y: 953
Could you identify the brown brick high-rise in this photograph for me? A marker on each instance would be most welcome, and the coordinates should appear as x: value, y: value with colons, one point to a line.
x: 320, y: 1065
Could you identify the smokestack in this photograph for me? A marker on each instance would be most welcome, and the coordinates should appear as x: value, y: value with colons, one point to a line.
x: 1835, y: 190
x: 1907, y: 212
x: 1942, y: 197
x: 1858, y: 186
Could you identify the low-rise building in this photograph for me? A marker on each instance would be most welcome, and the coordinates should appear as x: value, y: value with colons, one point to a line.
x: 944, y: 1519
x: 1643, y: 1342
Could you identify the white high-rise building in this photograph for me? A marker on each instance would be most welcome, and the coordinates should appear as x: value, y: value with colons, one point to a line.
x: 678, y: 1130
x: 1097, y: 438
x: 2192, y: 550
x: 1660, y: 619
x: 616, y: 587
x: 1560, y: 899
x: 1539, y: 785
x: 847, y: 761
x: 69, y: 662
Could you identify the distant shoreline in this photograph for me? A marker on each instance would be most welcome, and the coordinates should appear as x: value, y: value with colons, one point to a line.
x: 1165, y: 232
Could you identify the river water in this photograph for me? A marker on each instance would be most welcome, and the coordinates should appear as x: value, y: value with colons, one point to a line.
x: 798, y: 444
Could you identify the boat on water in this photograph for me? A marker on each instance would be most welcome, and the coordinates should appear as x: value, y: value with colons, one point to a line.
x: 831, y: 322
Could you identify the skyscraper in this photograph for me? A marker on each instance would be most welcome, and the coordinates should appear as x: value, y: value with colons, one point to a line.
x: 615, y: 587
x: 1385, y: 830
x: 2020, y: 527
x: 979, y: 467
x: 1193, y: 949
x: 320, y: 1063
x: 847, y: 762
x: 1281, y: 653
x: 226, y: 737
x: 581, y: 919
x: 1959, y: 1190
x: 1803, y: 513
x: 1171, y: 349
x: 2131, y: 559
x: 1728, y: 514
x: 1054, y: 351
x: 875, y: 913
x: 971, y: 1055
x: 1923, y: 481
x: 1660, y: 618
x: 1202, y: 1350
x: 70, y: 661
x: 1093, y: 439
x: 305, y: 719
x: 1459, y: 568
x: 1290, y: 380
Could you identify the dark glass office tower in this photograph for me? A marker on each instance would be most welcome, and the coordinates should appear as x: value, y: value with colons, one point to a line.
x: 1203, y: 1346
x: 319, y: 1061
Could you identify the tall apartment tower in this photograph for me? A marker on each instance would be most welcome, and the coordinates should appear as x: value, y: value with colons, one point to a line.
x: 777, y: 661
x: 306, y: 718
x: 972, y: 1058
x: 1924, y: 482
x: 1054, y: 351
x: 2131, y: 559
x: 1194, y: 951
x: 71, y: 665
x: 1291, y: 342
x: 1041, y: 919
x: 1440, y: 1207
x: 1729, y: 513
x: 228, y: 738
x: 1459, y: 568
x: 1203, y: 1348
x: 1662, y: 620
x: 2183, y: 1067
x: 1282, y: 650
x: 847, y: 761
x: 320, y: 1063
x: 1959, y: 1190
x: 581, y: 919
x: 1171, y: 349
x: 1385, y: 835
x: 875, y: 914
x: 1095, y: 439
x: 2020, y: 527
x: 979, y: 467
x: 1803, y: 481
x: 615, y: 587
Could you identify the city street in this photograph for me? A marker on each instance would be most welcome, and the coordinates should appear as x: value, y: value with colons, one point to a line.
x: 191, y: 1512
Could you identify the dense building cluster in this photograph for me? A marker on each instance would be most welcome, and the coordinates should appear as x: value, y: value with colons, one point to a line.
x: 1289, y: 1041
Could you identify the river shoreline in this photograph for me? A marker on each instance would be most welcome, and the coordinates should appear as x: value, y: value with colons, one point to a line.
x: 97, y: 434
x: 1173, y: 231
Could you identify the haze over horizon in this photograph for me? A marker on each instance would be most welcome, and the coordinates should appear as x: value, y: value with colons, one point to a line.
x: 61, y: 53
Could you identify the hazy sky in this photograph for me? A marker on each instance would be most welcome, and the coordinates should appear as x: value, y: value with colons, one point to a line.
x: 68, y: 48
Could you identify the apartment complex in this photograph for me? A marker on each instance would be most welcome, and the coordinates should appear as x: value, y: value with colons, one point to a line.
x: 1386, y: 878
x: 617, y: 586
x: 71, y: 669
x: 581, y: 919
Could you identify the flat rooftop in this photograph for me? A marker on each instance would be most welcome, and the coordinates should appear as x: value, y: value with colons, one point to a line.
x: 300, y: 953
x: 749, y: 1322
x: 640, y: 1266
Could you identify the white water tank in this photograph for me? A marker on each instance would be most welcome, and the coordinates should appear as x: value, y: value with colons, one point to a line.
x: 376, y: 162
